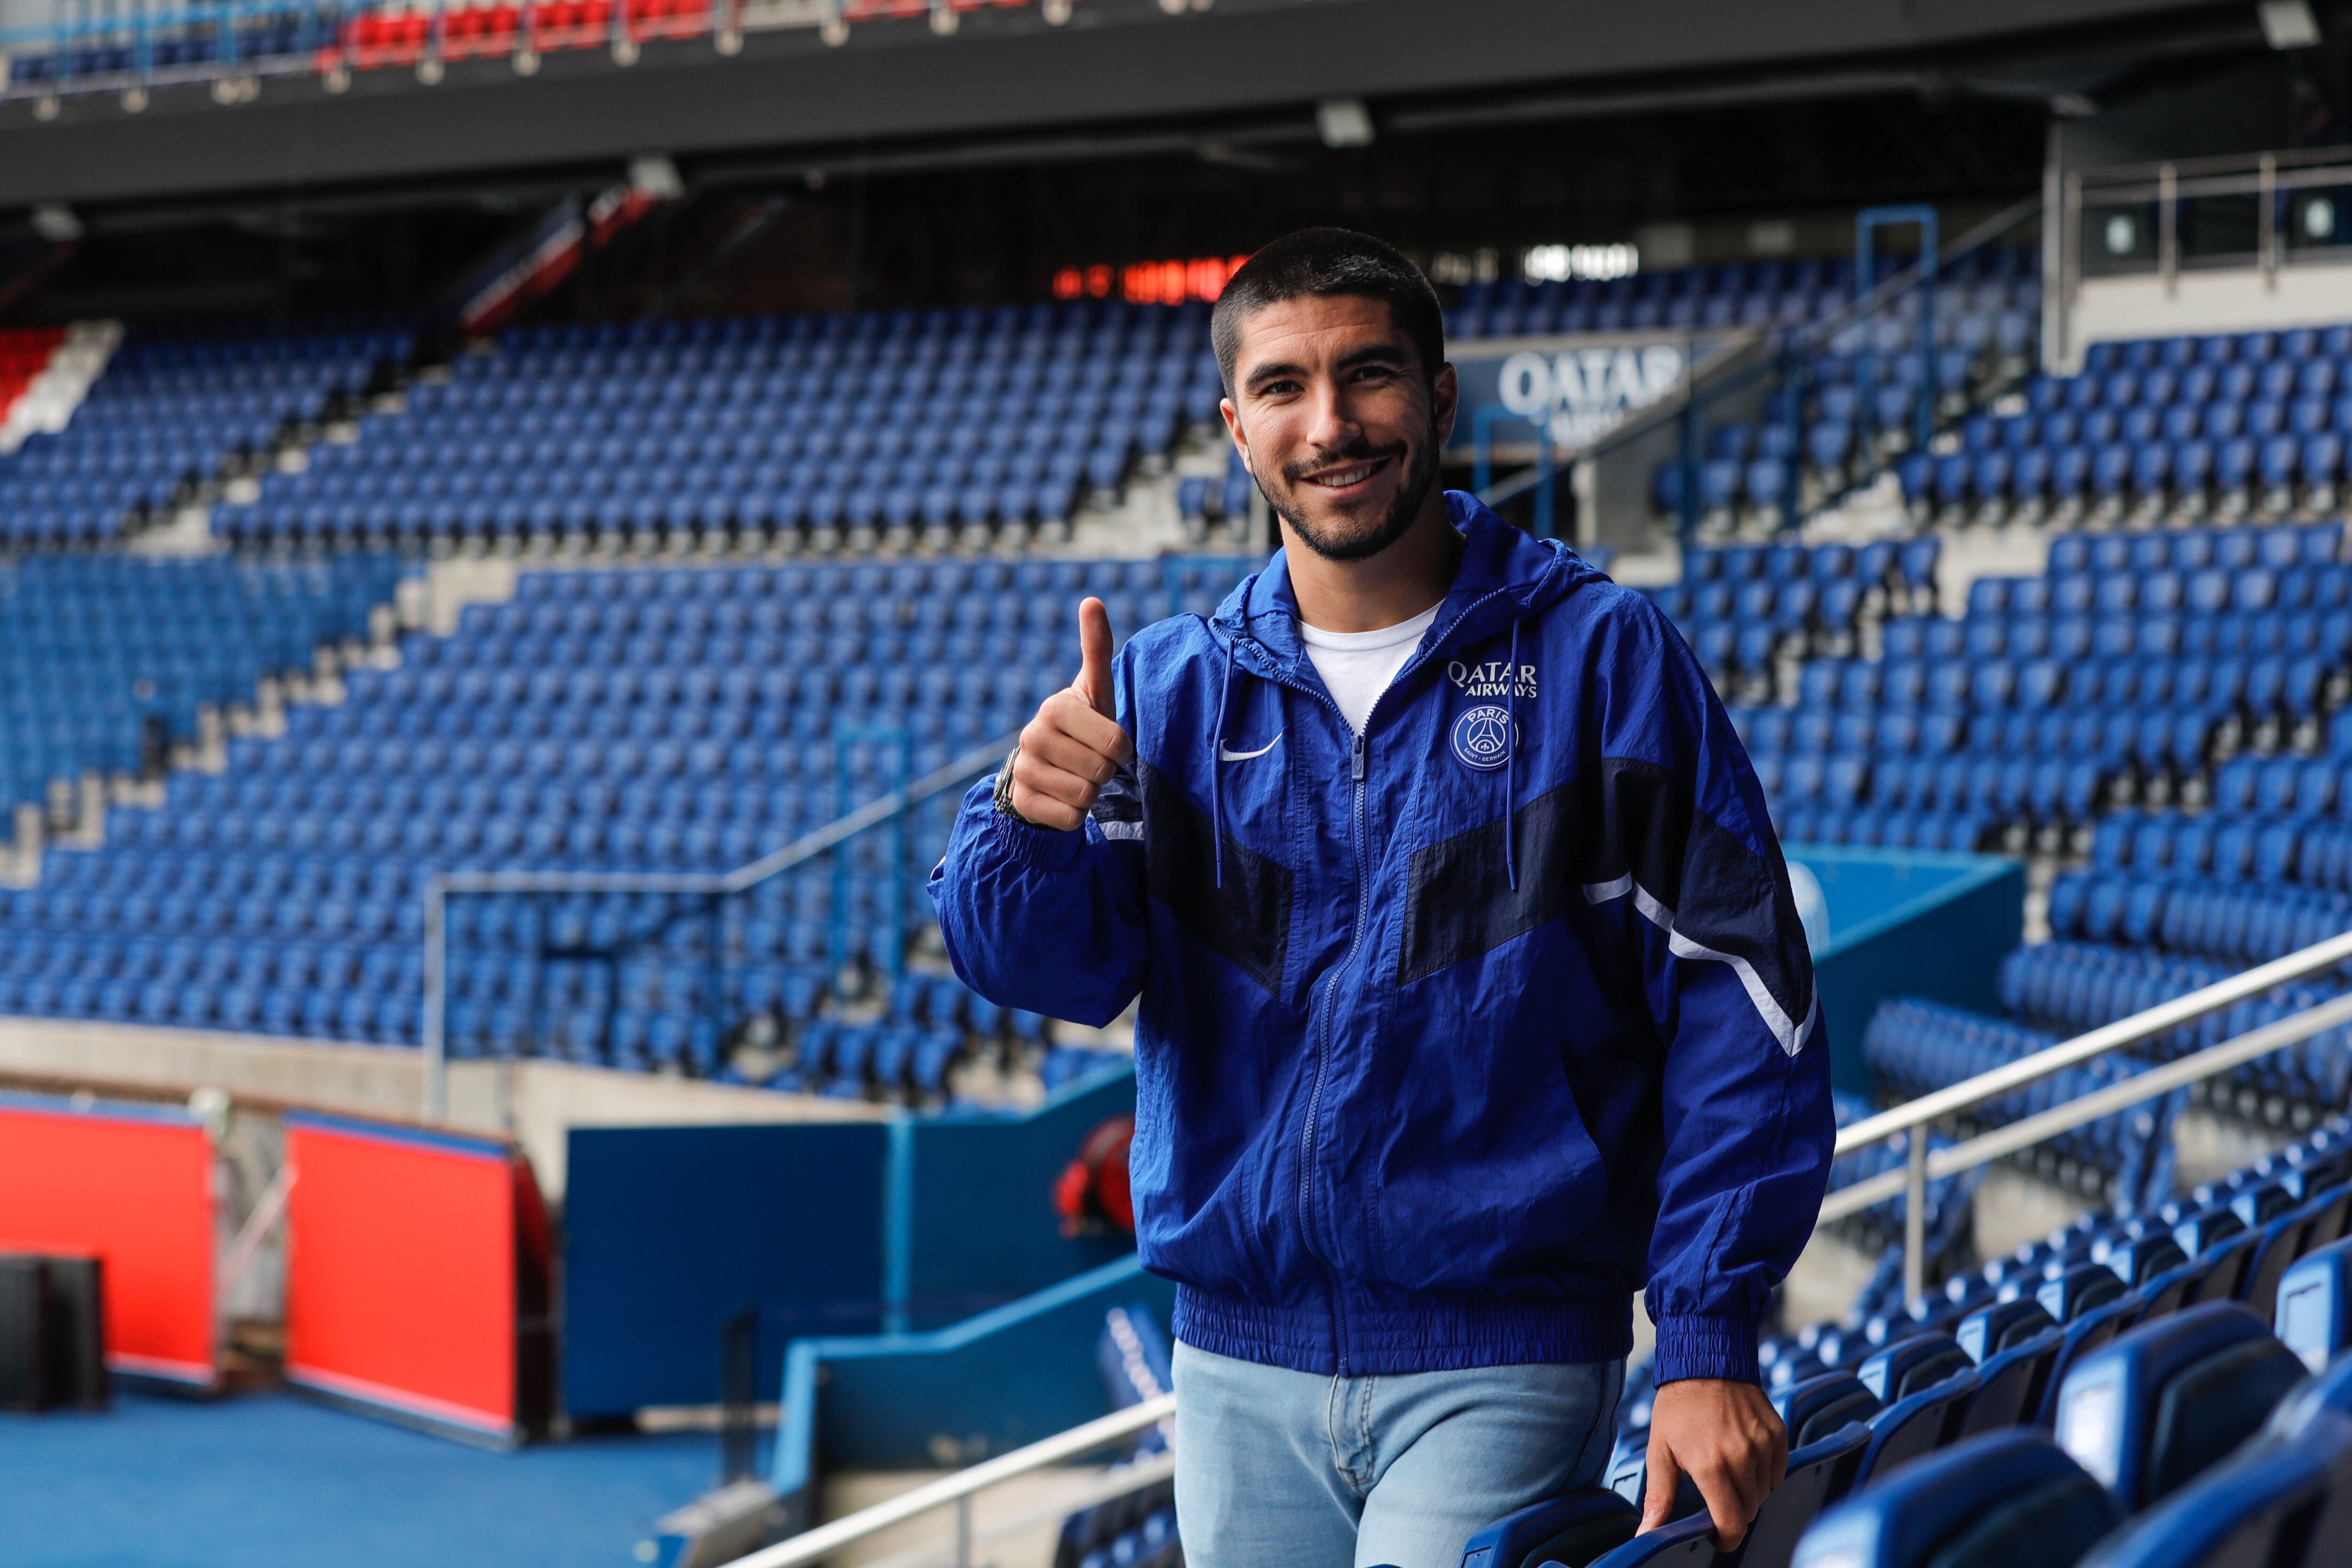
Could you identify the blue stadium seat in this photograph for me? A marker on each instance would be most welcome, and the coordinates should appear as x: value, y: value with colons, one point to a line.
x: 2148, y: 1412
x: 1572, y: 1529
x: 2008, y: 1500
x: 2285, y: 1500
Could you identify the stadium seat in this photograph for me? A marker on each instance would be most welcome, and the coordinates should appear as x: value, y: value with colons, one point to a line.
x: 2006, y: 1499
x: 2283, y: 1501
x: 1817, y: 1406
x: 1576, y: 1529
x: 1915, y: 1425
x: 2148, y: 1412
x: 2312, y: 1316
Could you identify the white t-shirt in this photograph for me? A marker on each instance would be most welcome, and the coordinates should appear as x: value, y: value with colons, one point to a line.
x: 1359, y: 665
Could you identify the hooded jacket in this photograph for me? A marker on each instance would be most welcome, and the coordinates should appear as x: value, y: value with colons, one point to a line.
x: 1415, y: 1092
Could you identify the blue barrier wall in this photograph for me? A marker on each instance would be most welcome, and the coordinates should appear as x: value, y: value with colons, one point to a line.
x: 670, y: 1231
x: 1913, y: 924
x: 982, y: 1228
x: 952, y: 1396
x: 825, y: 1228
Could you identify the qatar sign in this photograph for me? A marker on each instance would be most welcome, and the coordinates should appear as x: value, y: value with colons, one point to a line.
x: 1577, y: 392
x: 1583, y: 393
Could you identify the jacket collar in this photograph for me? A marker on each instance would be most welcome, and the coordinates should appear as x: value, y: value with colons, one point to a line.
x: 1503, y: 574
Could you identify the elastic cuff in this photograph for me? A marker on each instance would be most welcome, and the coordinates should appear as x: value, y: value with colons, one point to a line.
x: 1035, y: 849
x: 1707, y: 1347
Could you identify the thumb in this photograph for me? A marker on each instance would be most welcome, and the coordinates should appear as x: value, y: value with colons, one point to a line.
x: 1662, y: 1479
x: 1094, y: 644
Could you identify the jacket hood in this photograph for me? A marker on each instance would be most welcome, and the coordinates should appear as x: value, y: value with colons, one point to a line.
x: 1505, y: 574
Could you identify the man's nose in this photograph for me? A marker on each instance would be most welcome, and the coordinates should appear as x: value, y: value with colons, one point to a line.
x: 1335, y: 425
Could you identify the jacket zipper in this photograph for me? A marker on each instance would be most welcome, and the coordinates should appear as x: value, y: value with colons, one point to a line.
x: 1360, y: 770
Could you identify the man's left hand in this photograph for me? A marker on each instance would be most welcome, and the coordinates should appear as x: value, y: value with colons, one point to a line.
x: 1727, y: 1439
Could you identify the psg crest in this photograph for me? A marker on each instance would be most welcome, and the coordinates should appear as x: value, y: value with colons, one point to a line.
x: 1482, y: 737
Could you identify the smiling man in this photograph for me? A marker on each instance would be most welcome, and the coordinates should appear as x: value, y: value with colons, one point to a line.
x: 1473, y: 995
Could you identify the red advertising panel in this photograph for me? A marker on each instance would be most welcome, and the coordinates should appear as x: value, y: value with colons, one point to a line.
x: 413, y: 1262
x: 133, y: 1186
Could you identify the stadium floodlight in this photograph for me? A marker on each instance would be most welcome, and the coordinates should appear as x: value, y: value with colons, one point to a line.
x: 2288, y: 23
x: 57, y: 223
x: 1559, y: 263
x: 653, y: 174
x: 1344, y: 122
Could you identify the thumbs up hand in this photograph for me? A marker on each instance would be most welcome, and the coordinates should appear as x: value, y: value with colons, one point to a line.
x: 1069, y: 750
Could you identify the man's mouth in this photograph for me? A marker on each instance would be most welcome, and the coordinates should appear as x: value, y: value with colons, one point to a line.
x: 1348, y: 477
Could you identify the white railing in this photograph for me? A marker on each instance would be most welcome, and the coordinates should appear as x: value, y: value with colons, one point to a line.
x: 958, y: 1490
x: 1910, y: 1122
x: 2127, y: 195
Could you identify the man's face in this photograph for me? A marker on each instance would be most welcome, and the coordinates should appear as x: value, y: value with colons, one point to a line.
x: 1333, y: 414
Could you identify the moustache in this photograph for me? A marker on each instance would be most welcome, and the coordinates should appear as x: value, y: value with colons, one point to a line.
x: 1354, y: 452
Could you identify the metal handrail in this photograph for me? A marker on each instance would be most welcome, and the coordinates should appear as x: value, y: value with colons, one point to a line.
x: 2156, y: 1020
x: 2292, y: 158
x: 1911, y: 1119
x: 813, y: 1545
x: 2184, y: 186
x: 1116, y: 1482
x: 2083, y: 1109
x: 441, y: 886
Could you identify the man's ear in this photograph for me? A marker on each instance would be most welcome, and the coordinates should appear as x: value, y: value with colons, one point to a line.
x: 1241, y: 437
x: 1445, y: 400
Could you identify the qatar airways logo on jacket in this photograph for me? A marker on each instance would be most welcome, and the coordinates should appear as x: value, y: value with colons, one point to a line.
x: 1492, y: 678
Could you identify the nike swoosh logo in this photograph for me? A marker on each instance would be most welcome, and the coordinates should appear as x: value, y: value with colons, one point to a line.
x: 1227, y: 754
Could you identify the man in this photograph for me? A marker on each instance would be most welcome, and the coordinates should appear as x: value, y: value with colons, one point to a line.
x: 1421, y: 1099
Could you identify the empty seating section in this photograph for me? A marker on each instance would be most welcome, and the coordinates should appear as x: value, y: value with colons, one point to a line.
x: 1914, y: 1047
x: 679, y: 719
x: 2179, y: 429
x: 1137, y: 1530
x: 1746, y: 608
x: 167, y: 46
x: 164, y: 416
x: 1856, y: 399
x: 103, y: 657
x: 1989, y: 304
x: 182, y: 44
x: 2158, y: 711
x: 1873, y: 1228
x: 2118, y: 678
x: 973, y: 427
x: 1228, y: 498
x: 2085, y: 1400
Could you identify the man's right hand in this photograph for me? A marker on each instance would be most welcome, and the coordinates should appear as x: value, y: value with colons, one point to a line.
x: 1074, y: 745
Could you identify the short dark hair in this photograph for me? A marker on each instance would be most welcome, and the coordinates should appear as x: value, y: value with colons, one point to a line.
x: 1324, y: 262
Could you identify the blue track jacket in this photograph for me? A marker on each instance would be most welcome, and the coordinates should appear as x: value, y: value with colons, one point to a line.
x: 1414, y: 1093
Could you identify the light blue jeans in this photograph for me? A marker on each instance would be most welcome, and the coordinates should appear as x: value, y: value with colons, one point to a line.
x: 1288, y: 1469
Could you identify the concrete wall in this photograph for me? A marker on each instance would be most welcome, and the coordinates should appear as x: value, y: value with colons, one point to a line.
x: 2238, y: 299
x: 537, y: 1104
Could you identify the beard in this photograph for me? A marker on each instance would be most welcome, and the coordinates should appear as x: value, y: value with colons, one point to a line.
x: 1419, y: 462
